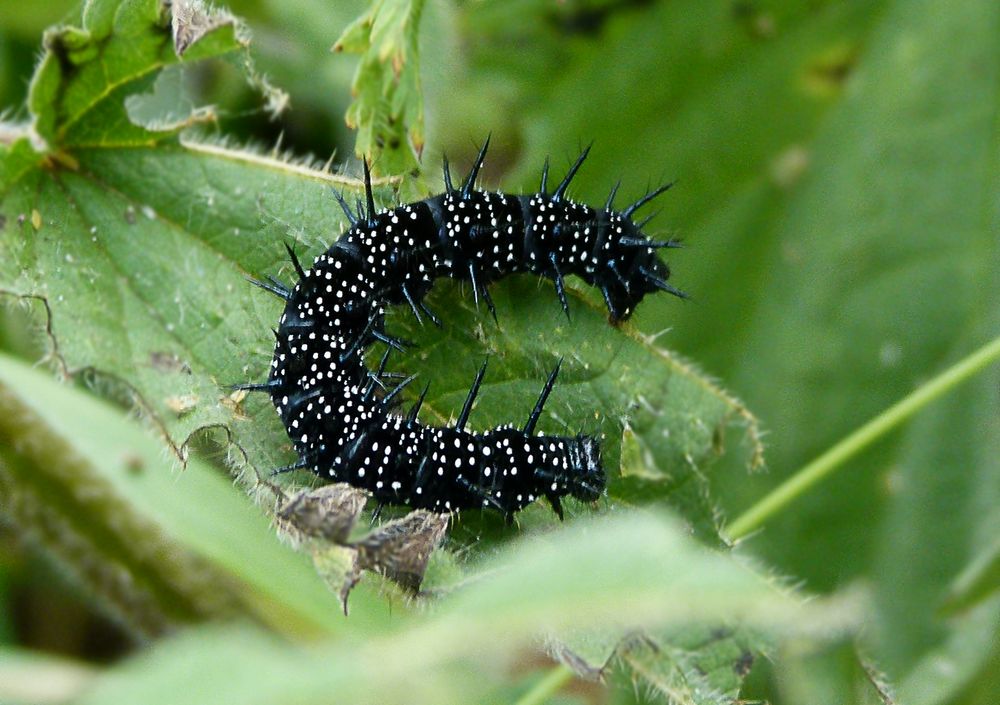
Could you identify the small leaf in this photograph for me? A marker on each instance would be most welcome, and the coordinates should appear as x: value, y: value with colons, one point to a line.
x: 112, y: 59
x: 388, y: 109
x: 693, y: 666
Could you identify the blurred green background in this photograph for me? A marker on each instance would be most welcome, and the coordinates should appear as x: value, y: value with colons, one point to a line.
x: 838, y: 190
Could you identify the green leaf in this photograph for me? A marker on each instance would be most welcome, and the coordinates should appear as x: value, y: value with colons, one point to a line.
x: 570, y: 579
x: 77, y: 94
x: 983, y: 690
x: 388, y: 109
x: 577, y: 577
x: 83, y: 106
x: 960, y: 662
x: 565, y: 583
x: 945, y: 489
x: 831, y: 674
x: 672, y: 417
x: 697, y: 665
x: 160, y: 546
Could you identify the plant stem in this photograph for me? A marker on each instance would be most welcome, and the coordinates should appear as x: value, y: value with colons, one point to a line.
x: 813, y: 473
x: 548, y: 686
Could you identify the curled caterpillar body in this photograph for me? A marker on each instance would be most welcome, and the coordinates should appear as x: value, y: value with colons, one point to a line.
x: 342, y: 418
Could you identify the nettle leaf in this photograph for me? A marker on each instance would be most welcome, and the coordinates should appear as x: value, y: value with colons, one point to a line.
x: 657, y: 412
x: 388, y: 107
x: 135, y: 241
x: 464, y: 649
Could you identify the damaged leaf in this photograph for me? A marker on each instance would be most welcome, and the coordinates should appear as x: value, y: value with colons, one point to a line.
x: 388, y: 109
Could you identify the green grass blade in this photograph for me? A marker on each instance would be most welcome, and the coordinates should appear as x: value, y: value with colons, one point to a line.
x: 816, y: 471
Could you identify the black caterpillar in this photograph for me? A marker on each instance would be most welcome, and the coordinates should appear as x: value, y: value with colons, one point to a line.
x: 338, y: 413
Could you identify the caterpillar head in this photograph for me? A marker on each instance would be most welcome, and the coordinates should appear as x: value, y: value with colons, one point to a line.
x: 633, y: 269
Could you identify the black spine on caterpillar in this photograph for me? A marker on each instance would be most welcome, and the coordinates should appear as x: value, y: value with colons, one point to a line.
x: 340, y: 416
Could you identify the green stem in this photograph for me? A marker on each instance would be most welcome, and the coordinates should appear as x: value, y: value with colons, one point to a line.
x: 548, y: 686
x: 813, y: 473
